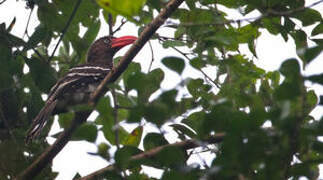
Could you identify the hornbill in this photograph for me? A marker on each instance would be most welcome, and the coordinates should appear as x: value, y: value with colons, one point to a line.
x: 76, y: 86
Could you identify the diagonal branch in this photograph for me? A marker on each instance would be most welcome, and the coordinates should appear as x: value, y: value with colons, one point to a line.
x: 185, y: 145
x: 136, y: 47
x: 46, y: 157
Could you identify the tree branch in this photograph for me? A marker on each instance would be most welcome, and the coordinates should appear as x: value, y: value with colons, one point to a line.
x: 123, y: 22
x: 152, y: 57
x: 48, y: 155
x: 135, y: 48
x: 110, y: 24
x: 80, y: 117
x: 185, y: 145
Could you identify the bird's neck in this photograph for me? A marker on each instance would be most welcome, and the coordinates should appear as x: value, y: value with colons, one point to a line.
x: 102, y: 63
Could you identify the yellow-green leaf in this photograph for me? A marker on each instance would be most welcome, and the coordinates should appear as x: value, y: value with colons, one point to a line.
x: 126, y: 8
x: 134, y: 137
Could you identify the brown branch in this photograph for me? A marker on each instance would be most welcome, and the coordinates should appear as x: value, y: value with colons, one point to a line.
x: 2, y: 1
x: 46, y: 157
x: 110, y: 22
x: 152, y: 57
x: 185, y: 145
x: 135, y: 48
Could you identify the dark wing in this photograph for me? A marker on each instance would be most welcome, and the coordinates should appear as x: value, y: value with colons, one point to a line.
x: 77, y: 78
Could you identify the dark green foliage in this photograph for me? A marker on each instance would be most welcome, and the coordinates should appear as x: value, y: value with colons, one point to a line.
x: 174, y: 63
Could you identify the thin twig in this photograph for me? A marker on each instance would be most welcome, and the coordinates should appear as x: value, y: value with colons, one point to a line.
x: 115, y: 116
x: 172, y: 38
x: 69, y: 21
x: 199, y: 69
x: 27, y: 25
x: 110, y: 22
x: 2, y: 1
x: 123, y: 22
x: 152, y: 56
x: 185, y: 145
x: 38, y: 54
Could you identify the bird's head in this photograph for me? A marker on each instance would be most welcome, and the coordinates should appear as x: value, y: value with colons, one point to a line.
x: 103, y: 49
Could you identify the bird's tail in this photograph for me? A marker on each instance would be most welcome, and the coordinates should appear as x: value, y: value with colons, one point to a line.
x: 40, y: 120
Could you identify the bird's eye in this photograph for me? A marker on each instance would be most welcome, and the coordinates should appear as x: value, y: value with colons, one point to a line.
x: 106, y: 41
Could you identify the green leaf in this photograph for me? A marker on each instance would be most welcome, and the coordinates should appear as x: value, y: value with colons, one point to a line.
x: 316, y: 78
x: 283, y: 92
x: 308, y: 16
x: 318, y: 29
x: 106, y: 118
x: 290, y: 68
x: 134, y: 138
x: 183, y: 130
x: 155, y: 4
x: 172, y: 43
x: 272, y: 24
x: 311, y: 100
x: 5, y: 76
x: 103, y: 150
x: 191, y: 174
x: 109, y: 133
x: 136, y: 114
x: 195, y: 87
x: 105, y: 109
x: 137, y: 81
x: 157, y: 113
x: 195, y: 120
x: 252, y: 47
x: 174, y: 63
x: 126, y: 8
x: 318, y: 41
x: 145, y: 84
x: 86, y: 131
x: 123, y: 156
x: 42, y: 73
x: 198, y: 63
x: 132, y: 69
x: 300, y: 38
x: 92, y: 32
x: 171, y: 156
x: 65, y: 119
x: 39, y: 35
x: 311, y: 53
x: 153, y: 140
